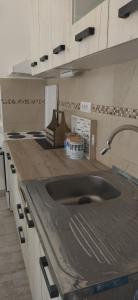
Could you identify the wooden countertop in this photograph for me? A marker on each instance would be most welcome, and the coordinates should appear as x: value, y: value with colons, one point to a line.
x: 33, y: 162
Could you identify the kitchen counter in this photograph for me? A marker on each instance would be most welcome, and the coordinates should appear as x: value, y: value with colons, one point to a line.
x: 33, y: 162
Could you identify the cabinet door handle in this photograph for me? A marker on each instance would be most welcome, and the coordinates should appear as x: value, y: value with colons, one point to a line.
x: 21, y: 235
x: 12, y: 169
x: 52, y: 289
x: 34, y: 64
x: 29, y: 220
x: 84, y: 34
x: 20, y: 212
x: 8, y: 156
x: 59, y: 49
x: 44, y: 58
x: 129, y: 8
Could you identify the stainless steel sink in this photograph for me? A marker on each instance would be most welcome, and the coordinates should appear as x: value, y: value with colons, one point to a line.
x: 80, y: 190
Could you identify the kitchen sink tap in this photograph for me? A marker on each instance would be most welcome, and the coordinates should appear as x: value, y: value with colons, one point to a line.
x: 114, y: 133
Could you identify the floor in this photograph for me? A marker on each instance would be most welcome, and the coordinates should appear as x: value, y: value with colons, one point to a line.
x: 13, y: 279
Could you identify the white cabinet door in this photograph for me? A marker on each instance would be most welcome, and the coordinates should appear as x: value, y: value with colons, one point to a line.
x: 22, y: 230
x: 12, y: 178
x: 45, y: 272
x: 7, y: 166
x: 123, y: 21
x: 60, y: 31
x: 2, y: 172
x: 34, y: 7
x: 44, y: 35
x: 33, y: 264
x: 23, y: 242
x: 89, y: 34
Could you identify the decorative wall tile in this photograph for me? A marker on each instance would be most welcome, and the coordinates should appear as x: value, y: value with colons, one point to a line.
x: 124, y: 112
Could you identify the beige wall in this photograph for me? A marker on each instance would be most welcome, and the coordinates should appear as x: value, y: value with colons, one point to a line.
x: 115, y: 85
x: 23, y: 104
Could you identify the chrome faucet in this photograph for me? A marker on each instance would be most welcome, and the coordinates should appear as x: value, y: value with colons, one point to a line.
x: 114, y: 133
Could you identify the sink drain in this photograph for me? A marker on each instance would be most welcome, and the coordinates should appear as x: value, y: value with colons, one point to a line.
x: 89, y: 199
x: 84, y: 200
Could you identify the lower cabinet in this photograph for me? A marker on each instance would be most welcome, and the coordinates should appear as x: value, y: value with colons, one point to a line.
x: 40, y: 280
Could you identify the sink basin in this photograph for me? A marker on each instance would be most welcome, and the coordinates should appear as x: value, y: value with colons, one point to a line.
x: 81, y: 190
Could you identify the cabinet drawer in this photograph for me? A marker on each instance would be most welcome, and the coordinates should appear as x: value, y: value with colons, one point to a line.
x: 123, y: 21
x: 89, y: 34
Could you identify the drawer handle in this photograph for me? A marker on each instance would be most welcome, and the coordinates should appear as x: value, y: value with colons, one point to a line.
x: 52, y: 289
x: 8, y: 156
x: 29, y: 220
x: 21, y: 235
x: 44, y: 58
x: 12, y: 169
x: 84, y: 34
x: 20, y: 212
x: 59, y: 49
x: 126, y: 10
x: 34, y: 64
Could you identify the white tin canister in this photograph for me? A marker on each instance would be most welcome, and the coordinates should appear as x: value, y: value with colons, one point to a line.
x: 75, y: 147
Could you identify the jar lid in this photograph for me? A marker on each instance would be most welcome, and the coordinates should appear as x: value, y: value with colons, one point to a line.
x: 77, y: 139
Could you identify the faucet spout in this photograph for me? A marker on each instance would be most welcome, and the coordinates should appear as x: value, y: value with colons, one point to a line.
x: 114, y: 133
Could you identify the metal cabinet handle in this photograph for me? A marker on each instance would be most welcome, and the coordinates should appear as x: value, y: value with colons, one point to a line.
x: 52, y: 289
x: 84, y: 34
x: 44, y: 58
x: 8, y: 156
x: 12, y: 169
x: 59, y: 49
x: 34, y: 64
x: 21, y: 235
x: 20, y: 212
x: 29, y: 220
x: 129, y: 8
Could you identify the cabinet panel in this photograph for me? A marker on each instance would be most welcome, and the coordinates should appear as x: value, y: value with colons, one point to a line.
x: 2, y: 172
x: 34, y: 36
x: 33, y: 263
x: 44, y: 35
x: 96, y: 22
x: 45, y: 292
x: 60, y: 31
x: 122, y: 29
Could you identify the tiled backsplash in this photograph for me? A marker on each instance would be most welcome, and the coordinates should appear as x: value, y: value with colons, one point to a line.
x: 113, y: 92
x: 126, y: 112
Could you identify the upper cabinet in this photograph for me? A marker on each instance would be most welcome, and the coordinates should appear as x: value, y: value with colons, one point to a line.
x: 60, y: 31
x: 123, y: 21
x: 89, y: 27
x: 50, y: 34
x: 63, y: 31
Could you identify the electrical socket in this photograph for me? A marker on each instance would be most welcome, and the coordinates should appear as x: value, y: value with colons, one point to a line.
x: 86, y: 107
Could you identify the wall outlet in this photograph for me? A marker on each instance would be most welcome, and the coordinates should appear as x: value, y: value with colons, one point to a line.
x: 86, y: 107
